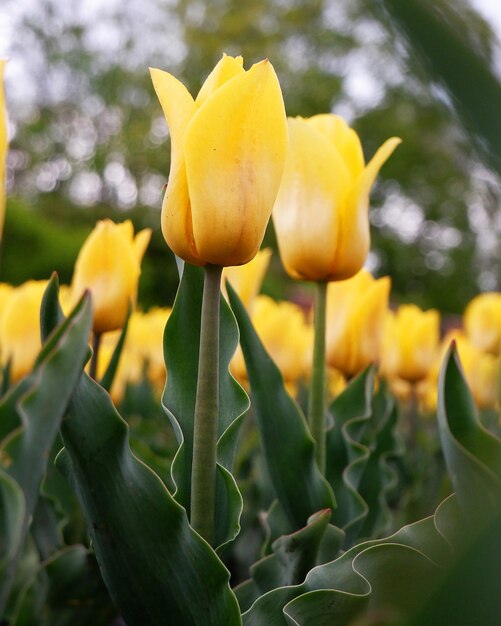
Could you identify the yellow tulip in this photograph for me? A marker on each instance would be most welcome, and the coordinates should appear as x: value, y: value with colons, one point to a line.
x: 356, y: 312
x: 20, y: 328
x: 481, y: 371
x: 3, y: 147
x: 321, y: 211
x: 227, y: 155
x: 286, y: 335
x: 246, y: 279
x: 336, y: 382
x: 109, y: 265
x: 482, y: 321
x: 145, y: 338
x: 410, y: 343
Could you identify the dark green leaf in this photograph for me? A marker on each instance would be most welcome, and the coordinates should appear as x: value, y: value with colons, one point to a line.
x: 35, y: 409
x: 288, y: 448
x: 154, y: 565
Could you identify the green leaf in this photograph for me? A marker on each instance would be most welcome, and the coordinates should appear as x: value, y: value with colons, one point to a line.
x: 444, y: 569
x: 67, y: 591
x: 34, y: 410
x: 472, y: 454
x: 109, y: 376
x: 378, y: 477
x: 393, y: 575
x: 346, y: 455
x: 288, y: 448
x: 154, y: 564
x: 181, y: 346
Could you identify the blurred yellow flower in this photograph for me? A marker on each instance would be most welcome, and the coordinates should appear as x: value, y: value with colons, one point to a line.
x: 20, y: 328
x: 336, y: 382
x: 246, y: 279
x: 410, y: 343
x: 481, y: 371
x: 227, y: 155
x: 356, y: 313
x: 286, y: 335
x: 321, y: 211
x: 3, y: 146
x: 142, y: 353
x: 109, y: 265
x: 482, y: 322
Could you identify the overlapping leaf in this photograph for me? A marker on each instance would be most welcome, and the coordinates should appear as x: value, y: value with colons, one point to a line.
x: 443, y: 569
x: 153, y: 563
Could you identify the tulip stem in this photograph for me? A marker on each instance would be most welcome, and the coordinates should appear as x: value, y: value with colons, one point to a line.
x: 203, y: 477
x: 316, y: 399
x: 96, y: 343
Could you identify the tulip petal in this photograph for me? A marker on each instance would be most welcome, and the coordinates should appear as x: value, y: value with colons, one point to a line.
x: 235, y: 149
x: 308, y: 205
x: 3, y: 146
x: 344, y: 138
x: 178, y: 107
x: 246, y: 279
x: 369, y: 175
x: 107, y: 265
x: 354, y: 237
x: 228, y: 67
x: 141, y: 242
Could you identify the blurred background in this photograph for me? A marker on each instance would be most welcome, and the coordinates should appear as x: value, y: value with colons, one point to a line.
x: 88, y: 138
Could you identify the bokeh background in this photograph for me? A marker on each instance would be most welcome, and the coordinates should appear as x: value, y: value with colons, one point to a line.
x: 88, y: 138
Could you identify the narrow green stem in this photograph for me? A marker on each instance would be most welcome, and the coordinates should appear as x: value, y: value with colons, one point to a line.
x: 96, y: 343
x: 316, y: 400
x: 203, y: 477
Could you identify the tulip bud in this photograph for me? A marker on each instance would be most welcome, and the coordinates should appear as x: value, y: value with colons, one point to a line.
x: 109, y: 265
x: 356, y: 313
x: 410, y: 343
x: 20, y: 328
x: 482, y: 322
x: 321, y: 211
x: 227, y: 155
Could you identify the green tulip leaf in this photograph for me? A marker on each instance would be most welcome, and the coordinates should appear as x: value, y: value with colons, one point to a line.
x: 181, y: 346
x: 346, y: 456
x: 33, y: 411
x: 67, y: 591
x: 153, y: 563
x: 472, y: 454
x: 379, y: 478
x: 288, y: 448
x: 444, y: 569
x: 109, y: 375
x: 365, y: 578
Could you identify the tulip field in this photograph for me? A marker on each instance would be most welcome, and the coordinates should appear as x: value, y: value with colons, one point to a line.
x: 239, y: 459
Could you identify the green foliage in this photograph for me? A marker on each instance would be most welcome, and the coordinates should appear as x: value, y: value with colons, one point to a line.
x: 181, y: 358
x: 443, y: 569
x: 149, y: 556
x: 287, y: 443
x: 30, y: 414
